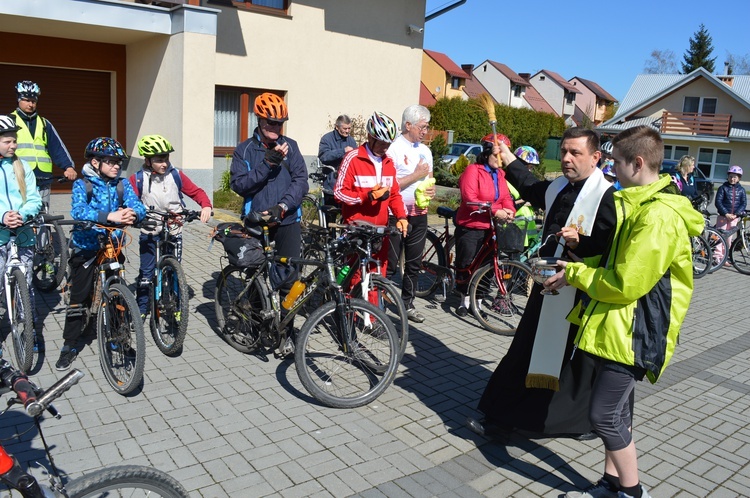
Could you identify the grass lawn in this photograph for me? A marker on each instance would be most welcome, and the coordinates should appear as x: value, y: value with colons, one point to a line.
x: 552, y: 165
x: 226, y: 199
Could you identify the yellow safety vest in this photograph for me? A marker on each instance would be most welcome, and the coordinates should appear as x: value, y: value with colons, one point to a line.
x: 33, y: 150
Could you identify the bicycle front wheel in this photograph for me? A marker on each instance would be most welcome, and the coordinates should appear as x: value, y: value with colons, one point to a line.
x: 309, y: 208
x: 126, y: 480
x: 498, y: 295
x: 21, y: 321
x: 387, y: 297
x: 238, y: 308
x: 169, y: 320
x: 701, y: 256
x: 433, y: 261
x: 50, y: 257
x: 739, y: 254
x: 122, y: 344
x: 349, y: 364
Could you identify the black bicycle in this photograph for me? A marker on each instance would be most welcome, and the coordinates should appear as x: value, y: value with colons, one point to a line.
x: 124, y: 480
x: 168, y: 289
x: 346, y: 353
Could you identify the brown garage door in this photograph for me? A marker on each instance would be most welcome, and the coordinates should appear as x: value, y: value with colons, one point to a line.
x: 77, y: 103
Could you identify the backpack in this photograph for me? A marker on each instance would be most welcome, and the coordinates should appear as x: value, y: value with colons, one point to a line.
x: 175, y: 175
x: 243, y: 250
x: 90, y: 191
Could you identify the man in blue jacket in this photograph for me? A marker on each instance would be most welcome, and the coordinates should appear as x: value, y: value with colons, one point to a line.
x: 331, y: 150
x: 270, y: 174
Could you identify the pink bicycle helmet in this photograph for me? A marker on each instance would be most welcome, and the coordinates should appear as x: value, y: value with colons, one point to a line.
x: 736, y: 170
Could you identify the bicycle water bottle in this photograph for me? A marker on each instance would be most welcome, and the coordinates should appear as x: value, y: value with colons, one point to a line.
x: 342, y: 274
x: 297, y: 288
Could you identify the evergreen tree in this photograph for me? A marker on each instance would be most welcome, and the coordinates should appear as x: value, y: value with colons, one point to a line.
x: 699, y: 53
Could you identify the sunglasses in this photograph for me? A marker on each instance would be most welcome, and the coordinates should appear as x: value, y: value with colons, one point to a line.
x: 271, y: 122
x: 112, y: 162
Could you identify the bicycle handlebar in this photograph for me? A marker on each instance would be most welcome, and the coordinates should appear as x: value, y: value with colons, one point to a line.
x: 34, y: 399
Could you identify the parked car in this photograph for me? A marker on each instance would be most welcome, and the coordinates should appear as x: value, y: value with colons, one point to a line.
x: 704, y: 186
x: 458, y: 149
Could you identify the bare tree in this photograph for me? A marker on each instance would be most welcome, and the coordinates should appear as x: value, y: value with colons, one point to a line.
x: 661, y: 62
x: 738, y: 64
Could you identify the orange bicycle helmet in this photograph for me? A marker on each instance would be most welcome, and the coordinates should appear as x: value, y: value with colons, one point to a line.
x: 270, y: 106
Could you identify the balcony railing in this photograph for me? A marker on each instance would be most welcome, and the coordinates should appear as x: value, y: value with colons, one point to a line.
x: 695, y: 123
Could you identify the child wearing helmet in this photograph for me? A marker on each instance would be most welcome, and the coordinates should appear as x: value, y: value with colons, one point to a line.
x: 160, y: 186
x: 731, y: 202
x: 21, y: 202
x: 103, y: 197
x: 530, y: 157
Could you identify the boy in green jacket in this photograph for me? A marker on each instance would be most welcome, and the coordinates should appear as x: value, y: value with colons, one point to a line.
x: 639, y: 291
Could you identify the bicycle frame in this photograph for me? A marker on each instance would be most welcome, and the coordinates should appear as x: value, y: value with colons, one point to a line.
x: 12, y: 261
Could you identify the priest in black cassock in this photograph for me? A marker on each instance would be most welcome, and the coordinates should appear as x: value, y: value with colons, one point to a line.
x: 537, y: 388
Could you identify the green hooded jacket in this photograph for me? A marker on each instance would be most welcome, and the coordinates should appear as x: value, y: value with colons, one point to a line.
x: 640, y: 288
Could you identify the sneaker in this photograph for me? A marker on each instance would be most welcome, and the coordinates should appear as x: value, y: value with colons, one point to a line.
x: 414, y: 315
x: 601, y: 489
x: 462, y: 311
x: 622, y: 494
x: 67, y: 356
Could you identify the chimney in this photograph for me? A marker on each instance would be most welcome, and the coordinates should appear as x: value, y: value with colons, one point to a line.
x: 726, y: 68
x: 468, y: 68
x: 525, y: 76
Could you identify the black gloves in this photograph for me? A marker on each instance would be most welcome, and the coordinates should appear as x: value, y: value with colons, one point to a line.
x: 274, y: 157
x: 276, y: 212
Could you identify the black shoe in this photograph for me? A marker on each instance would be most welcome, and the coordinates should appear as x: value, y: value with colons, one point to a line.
x: 487, y: 429
x: 67, y: 356
x: 462, y: 311
x: 589, y: 436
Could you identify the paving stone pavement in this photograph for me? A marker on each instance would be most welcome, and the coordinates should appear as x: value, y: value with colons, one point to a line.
x: 228, y: 424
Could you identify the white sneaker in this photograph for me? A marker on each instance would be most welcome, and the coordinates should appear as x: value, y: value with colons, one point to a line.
x: 599, y: 490
x: 622, y: 494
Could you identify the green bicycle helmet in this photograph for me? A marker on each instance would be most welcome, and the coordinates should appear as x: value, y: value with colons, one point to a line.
x: 154, y: 145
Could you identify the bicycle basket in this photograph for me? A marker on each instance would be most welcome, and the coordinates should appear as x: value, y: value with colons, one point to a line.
x: 510, y: 238
x: 243, y: 250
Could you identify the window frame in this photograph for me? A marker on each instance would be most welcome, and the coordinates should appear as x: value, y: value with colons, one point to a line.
x: 247, y: 97
x: 261, y: 9
x: 711, y: 174
x: 673, y: 151
x: 701, y: 103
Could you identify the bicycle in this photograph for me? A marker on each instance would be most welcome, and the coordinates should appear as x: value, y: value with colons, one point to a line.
x: 119, y: 328
x: 50, y: 254
x: 124, y: 480
x: 314, y: 209
x: 17, y: 293
x: 345, y: 354
x: 373, y: 287
x: 508, y: 280
x: 739, y: 252
x: 168, y: 290
x: 702, y: 257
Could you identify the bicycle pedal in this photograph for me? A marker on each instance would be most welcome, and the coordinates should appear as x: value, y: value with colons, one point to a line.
x: 440, y: 298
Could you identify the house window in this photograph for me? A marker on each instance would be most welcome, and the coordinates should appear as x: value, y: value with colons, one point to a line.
x: 517, y: 90
x: 542, y: 78
x: 270, y: 6
x: 714, y: 162
x: 455, y: 83
x: 675, y: 151
x: 703, y: 105
x: 234, y: 120
x: 570, y: 97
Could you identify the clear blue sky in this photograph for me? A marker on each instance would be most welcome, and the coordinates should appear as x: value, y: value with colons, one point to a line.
x: 606, y: 42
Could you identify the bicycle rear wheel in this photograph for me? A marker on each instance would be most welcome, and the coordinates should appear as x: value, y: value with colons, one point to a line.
x: 433, y: 261
x: 309, y: 208
x: 21, y: 321
x: 498, y: 297
x: 719, y: 249
x: 126, y: 480
x: 349, y: 367
x: 388, y: 300
x: 739, y: 254
x: 701, y: 256
x: 169, y: 320
x: 122, y: 344
x: 239, y: 318
x: 50, y: 257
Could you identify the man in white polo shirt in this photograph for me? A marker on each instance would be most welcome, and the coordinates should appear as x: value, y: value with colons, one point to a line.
x: 413, y: 162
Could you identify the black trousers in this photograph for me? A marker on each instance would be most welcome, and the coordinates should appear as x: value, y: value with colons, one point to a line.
x: 81, y: 286
x: 413, y: 249
x: 287, y: 242
x: 468, y: 243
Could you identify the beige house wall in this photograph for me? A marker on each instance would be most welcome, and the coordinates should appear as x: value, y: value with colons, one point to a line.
x: 355, y: 58
x: 433, y: 76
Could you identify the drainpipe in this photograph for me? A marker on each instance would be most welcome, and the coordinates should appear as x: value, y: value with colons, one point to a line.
x: 444, y: 10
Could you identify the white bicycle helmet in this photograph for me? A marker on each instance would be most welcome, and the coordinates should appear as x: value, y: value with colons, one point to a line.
x: 606, y: 148
x: 381, y: 127
x: 7, y: 124
x: 27, y: 90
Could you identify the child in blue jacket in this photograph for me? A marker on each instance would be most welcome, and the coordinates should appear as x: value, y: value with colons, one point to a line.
x: 105, y: 198
x: 731, y: 202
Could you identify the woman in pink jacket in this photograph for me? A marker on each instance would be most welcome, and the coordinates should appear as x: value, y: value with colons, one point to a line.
x: 480, y: 182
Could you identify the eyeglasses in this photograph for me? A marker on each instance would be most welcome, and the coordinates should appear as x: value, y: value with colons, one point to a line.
x: 424, y: 127
x: 271, y: 122
x: 112, y: 162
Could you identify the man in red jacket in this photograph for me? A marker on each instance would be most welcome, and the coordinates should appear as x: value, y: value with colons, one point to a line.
x: 367, y: 186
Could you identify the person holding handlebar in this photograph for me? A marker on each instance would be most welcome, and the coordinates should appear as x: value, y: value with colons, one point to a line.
x: 103, y: 197
x: 160, y: 186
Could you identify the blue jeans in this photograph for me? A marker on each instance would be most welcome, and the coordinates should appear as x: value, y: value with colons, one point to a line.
x: 147, y: 244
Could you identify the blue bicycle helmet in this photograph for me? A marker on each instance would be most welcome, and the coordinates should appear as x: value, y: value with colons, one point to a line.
x: 104, y: 147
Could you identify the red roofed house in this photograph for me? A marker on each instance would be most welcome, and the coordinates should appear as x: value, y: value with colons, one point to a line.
x: 502, y: 83
x: 560, y: 94
x: 441, y: 77
x: 592, y: 101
